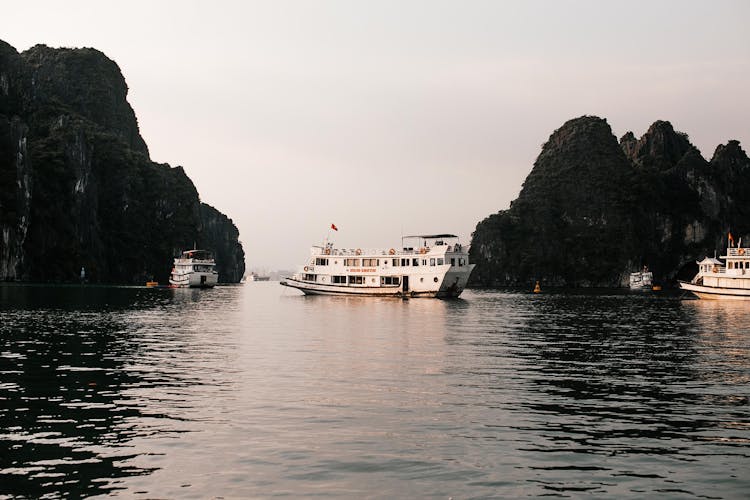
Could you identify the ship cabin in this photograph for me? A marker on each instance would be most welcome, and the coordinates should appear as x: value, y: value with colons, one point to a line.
x: 735, y: 274
x: 710, y: 265
x: 738, y: 262
x: 195, y: 260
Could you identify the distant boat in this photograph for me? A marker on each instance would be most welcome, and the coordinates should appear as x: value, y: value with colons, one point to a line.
x: 256, y: 277
x: 641, y: 280
x: 436, y: 266
x: 195, y: 269
x: 719, y: 282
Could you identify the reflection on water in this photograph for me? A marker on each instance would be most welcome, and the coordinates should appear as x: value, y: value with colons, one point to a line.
x: 254, y: 391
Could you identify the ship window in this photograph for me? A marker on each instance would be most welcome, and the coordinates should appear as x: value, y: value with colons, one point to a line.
x: 351, y: 262
x: 415, y: 262
x: 453, y: 262
x: 321, y: 262
x: 370, y: 262
x: 432, y: 262
x: 309, y: 277
x: 435, y: 279
x: 396, y: 262
x: 338, y: 279
x: 389, y: 280
x: 405, y: 262
x: 461, y: 262
x: 424, y: 262
x: 441, y: 261
x: 356, y: 280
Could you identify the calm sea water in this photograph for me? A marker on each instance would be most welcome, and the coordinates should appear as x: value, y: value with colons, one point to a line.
x: 255, y: 391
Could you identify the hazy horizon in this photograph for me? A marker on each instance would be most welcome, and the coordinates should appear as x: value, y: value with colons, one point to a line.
x: 395, y: 118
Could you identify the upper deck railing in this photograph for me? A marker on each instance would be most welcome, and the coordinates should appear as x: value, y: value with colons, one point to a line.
x: 738, y: 252
x: 208, y: 262
x: 390, y: 252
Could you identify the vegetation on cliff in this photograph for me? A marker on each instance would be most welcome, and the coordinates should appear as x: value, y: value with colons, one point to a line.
x: 592, y: 210
x: 77, y: 186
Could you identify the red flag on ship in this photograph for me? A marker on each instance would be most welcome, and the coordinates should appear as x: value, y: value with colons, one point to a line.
x: 333, y: 226
x: 731, y: 239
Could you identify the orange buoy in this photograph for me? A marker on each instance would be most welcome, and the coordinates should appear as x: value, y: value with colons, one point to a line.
x: 537, y: 288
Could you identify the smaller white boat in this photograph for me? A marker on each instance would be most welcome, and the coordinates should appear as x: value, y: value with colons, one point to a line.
x: 722, y: 282
x: 195, y: 269
x: 641, y: 280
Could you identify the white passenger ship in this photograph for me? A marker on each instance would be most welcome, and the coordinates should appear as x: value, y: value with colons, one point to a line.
x: 436, y: 266
x: 195, y: 269
x: 719, y: 282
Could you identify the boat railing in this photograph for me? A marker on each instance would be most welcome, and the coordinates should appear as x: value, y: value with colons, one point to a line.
x: 716, y: 270
x: 738, y: 252
x: 194, y: 261
x: 359, y: 252
x: 385, y: 252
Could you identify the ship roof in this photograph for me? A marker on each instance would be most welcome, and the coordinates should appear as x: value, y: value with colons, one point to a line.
x: 711, y: 260
x: 431, y: 236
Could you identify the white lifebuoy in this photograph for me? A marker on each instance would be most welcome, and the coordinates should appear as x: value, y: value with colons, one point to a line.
x: 306, y: 268
x: 391, y: 252
x: 741, y: 251
x: 359, y: 251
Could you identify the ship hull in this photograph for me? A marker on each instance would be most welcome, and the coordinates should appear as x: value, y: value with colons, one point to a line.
x: 451, y: 286
x: 716, y: 293
x: 194, y: 280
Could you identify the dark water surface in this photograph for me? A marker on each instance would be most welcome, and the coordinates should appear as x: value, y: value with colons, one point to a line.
x: 253, y: 391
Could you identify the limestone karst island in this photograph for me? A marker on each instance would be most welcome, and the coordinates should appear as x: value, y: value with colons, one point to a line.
x: 593, y: 209
x: 77, y: 186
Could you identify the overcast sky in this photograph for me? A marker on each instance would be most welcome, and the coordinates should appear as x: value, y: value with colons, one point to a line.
x: 395, y: 117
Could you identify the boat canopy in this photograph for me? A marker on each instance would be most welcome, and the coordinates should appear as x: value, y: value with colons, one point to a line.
x: 431, y: 236
x: 425, y: 240
x: 197, y: 254
x: 710, y: 261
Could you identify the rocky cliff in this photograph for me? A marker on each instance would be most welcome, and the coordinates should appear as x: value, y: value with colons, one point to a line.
x: 593, y: 209
x: 77, y: 186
